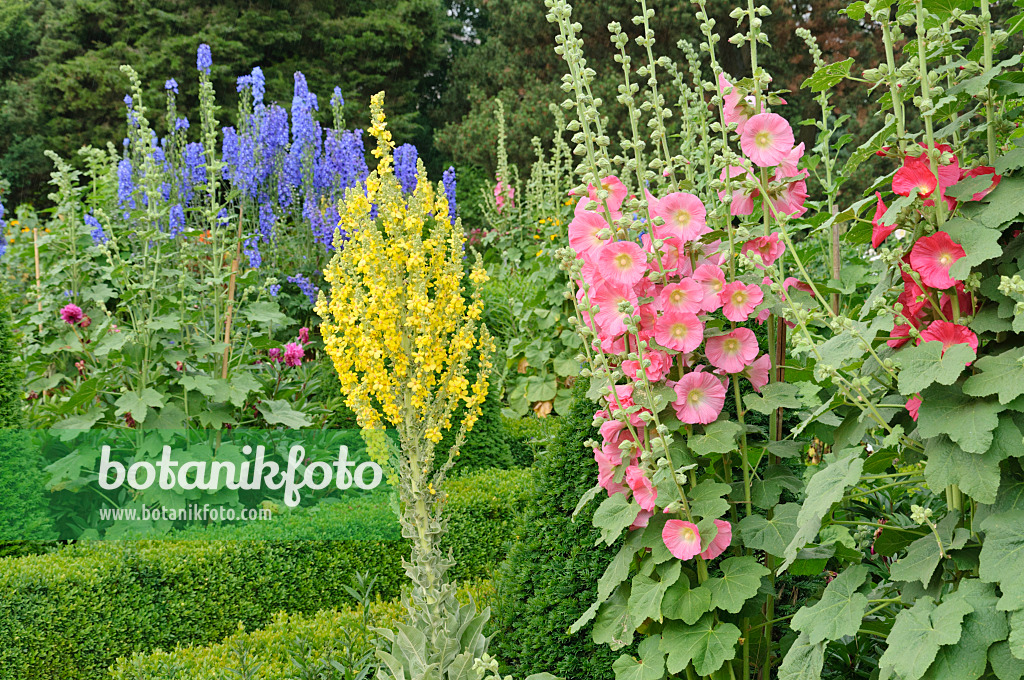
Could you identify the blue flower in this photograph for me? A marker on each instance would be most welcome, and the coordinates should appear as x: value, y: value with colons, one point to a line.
x: 405, y: 167
x: 252, y: 251
x: 267, y: 219
x: 337, y: 99
x: 177, y: 220
x: 243, y: 82
x: 181, y: 124
x: 259, y: 86
x: 448, y: 180
x: 203, y: 58
x: 306, y: 286
x: 171, y: 85
x: 275, y: 288
x: 125, y: 185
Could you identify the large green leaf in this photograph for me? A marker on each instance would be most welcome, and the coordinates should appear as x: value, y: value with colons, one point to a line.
x: 615, y: 573
x: 280, y: 412
x: 966, y: 660
x: 1004, y: 664
x: 977, y: 474
x: 923, y: 556
x: 137, y: 403
x: 684, y: 603
x: 613, y: 515
x: 925, y: 364
x: 774, y: 396
x: 968, y: 421
x: 829, y: 76
x: 706, y: 644
x: 803, y: 661
x: 980, y: 244
x: 919, y: 632
x: 766, y: 490
x: 1002, y: 556
x: 740, y: 579
x: 999, y: 374
x: 718, y: 437
x: 840, y: 609
x: 825, y: 489
x: 650, y: 665
x: 1004, y: 203
x: 771, y: 535
x: 647, y: 593
x: 613, y: 625
x: 706, y: 499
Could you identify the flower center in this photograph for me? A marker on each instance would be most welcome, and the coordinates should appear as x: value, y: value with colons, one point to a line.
x: 695, y: 396
x: 732, y: 345
x: 688, y: 534
x: 623, y: 261
x: 739, y: 297
x: 763, y: 139
x: 946, y: 259
x: 676, y: 297
x: 682, y: 217
x: 680, y: 330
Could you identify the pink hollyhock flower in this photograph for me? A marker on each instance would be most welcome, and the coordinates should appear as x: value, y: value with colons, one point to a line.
x: 950, y: 334
x: 303, y: 335
x: 274, y: 354
x: 622, y: 262
x: 685, y: 296
x: 732, y: 352
x: 879, y: 231
x: 504, y: 194
x: 583, y: 233
x: 736, y: 109
x: 791, y: 198
x: 293, y: 354
x: 788, y: 166
x: 612, y: 430
x: 616, y: 192
x: 643, y: 490
x: 914, y: 405
x: 743, y: 198
x: 720, y: 542
x: 978, y: 172
x: 606, y: 470
x: 757, y: 371
x: 612, y: 322
x: 684, y: 216
x: 739, y: 300
x: 71, y: 314
x: 660, y: 367
x: 643, y: 518
x: 680, y: 331
x: 768, y: 247
x: 681, y: 538
x: 767, y: 139
x: 916, y: 173
x: 964, y: 300
x: 932, y: 256
x: 700, y: 398
x: 712, y: 279
x: 899, y: 335
x: 793, y: 282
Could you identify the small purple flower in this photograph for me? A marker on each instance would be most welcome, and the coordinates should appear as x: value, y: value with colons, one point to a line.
x: 259, y: 86
x: 306, y: 286
x: 181, y: 124
x: 336, y: 99
x: 203, y: 58
x: 171, y: 85
x: 97, y: 233
x: 405, y: 167
x: 125, y: 184
x: 448, y: 180
x: 177, y: 220
x: 274, y: 354
x: 274, y: 289
x: 252, y: 251
x: 71, y: 314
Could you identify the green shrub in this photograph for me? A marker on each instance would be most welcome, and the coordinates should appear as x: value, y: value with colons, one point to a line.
x: 529, y: 437
x: 71, y: 613
x: 550, y: 577
x: 322, y: 635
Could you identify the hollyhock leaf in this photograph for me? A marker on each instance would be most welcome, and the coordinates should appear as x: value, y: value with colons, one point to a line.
x: 824, y: 489
x: 803, y: 661
x: 1002, y: 557
x: 137, y: 403
x: 892, y: 215
x: 999, y: 374
x: 875, y: 143
x: 682, y: 603
x: 919, y: 632
x: 968, y: 421
x: 1016, y: 638
x: 968, y: 186
x: 765, y: 492
x: 718, y: 437
x: 650, y: 665
x: 1011, y: 160
x: 967, y: 659
x: 925, y: 364
x: 987, y: 320
x: 1004, y: 204
x: 707, y: 644
x: 1004, y: 664
x: 979, y: 244
x: 923, y: 555
x: 773, y: 396
x: 839, y: 611
x: 613, y: 515
x: 647, y: 593
x: 280, y: 412
x: 977, y: 474
x: 264, y: 314
x: 786, y: 449
x: 740, y: 580
x: 617, y: 570
x: 612, y: 626
x: 771, y: 535
x: 828, y: 76
x: 652, y: 539
x: 706, y: 499
x: 855, y: 11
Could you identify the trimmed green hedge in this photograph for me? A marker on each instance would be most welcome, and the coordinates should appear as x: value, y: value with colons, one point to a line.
x: 68, y: 615
x: 530, y: 437
x: 323, y: 636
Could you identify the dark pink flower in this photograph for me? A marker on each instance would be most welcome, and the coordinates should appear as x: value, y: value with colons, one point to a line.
x: 71, y: 314
x: 303, y: 335
x: 293, y: 354
x: 932, y: 256
x: 879, y: 231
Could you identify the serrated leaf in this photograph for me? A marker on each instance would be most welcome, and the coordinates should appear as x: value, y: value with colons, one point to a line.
x: 803, y: 661
x: 765, y: 492
x: 137, y: 403
x: 613, y: 515
x: 773, y: 396
x: 647, y: 593
x: 613, y: 626
x: 1004, y: 204
x: 280, y: 412
x: 925, y: 364
x: 771, y: 535
x: 923, y: 556
x: 740, y: 579
x: 649, y: 666
x: 980, y: 244
x: 1002, y: 557
x: 840, y: 609
x: 686, y: 604
x: 1011, y: 160
x: 968, y: 421
x: 976, y: 473
x: 706, y: 499
x: 943, y: 9
x: 706, y: 644
x: 967, y: 659
x: 919, y: 632
x: 1004, y: 664
x: 999, y: 374
x: 719, y: 437
x: 828, y: 76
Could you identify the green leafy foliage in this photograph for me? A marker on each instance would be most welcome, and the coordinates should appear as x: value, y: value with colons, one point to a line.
x: 839, y: 611
x: 919, y: 632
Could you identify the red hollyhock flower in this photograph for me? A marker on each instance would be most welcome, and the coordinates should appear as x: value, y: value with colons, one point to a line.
x: 932, y: 256
x: 978, y: 172
x: 915, y: 174
x: 950, y: 334
x: 879, y: 231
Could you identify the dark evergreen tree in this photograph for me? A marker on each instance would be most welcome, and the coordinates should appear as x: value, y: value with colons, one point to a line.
x: 550, y: 577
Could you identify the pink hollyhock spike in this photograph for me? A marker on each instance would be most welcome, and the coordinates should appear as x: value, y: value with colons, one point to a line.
x: 879, y: 231
x: 720, y: 542
x: 606, y: 470
x: 768, y: 247
x: 915, y: 173
x: 611, y: 322
x: 739, y: 300
x: 583, y: 234
x: 303, y: 335
x: 643, y: 490
x: 712, y: 279
x: 788, y: 166
x: 504, y: 194
x: 914, y: 405
x: 71, y: 314
x: 617, y: 192
x: 684, y: 217
x: 700, y: 398
x: 622, y: 262
x: 293, y: 354
x: 612, y: 430
x: 736, y: 109
x: 732, y: 352
x: 685, y: 296
x: 660, y: 367
x: 742, y: 199
x: 978, y: 172
x: 680, y: 331
x: 932, y: 256
x: 681, y: 538
x: 767, y: 139
x: 950, y: 334
x: 757, y: 371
